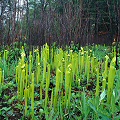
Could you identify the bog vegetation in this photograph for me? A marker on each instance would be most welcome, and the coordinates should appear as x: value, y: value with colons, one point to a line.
x: 59, y: 79
x: 53, y: 83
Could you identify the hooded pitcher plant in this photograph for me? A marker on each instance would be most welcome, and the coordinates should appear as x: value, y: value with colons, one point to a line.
x: 105, y: 74
x: 30, y: 63
x: 47, y: 84
x: 56, y: 72
x: 97, y: 85
x: 26, y: 100
x: 111, y: 78
x: 57, y: 87
x: 1, y: 78
x: 32, y: 96
x: 68, y: 80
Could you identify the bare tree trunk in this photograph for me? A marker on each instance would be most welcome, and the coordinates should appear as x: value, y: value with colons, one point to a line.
x: 28, y: 23
x: 118, y: 37
x: 14, y: 22
x: 110, y: 19
x: 96, y: 24
x: 1, y: 22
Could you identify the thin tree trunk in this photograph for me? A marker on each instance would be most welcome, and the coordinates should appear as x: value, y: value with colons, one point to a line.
x: 1, y: 24
x: 28, y: 23
x: 14, y: 22
x: 118, y: 37
x: 110, y: 19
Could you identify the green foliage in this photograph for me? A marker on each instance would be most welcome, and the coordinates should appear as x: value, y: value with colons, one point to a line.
x: 61, y: 84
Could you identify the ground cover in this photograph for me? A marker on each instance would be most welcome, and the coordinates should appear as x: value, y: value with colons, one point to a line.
x: 55, y: 84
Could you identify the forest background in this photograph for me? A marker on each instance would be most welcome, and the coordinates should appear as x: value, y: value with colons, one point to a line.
x: 62, y: 21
